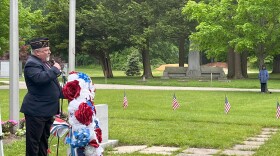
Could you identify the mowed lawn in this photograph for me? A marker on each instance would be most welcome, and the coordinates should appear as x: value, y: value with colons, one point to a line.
x: 251, y: 82
x: 199, y: 122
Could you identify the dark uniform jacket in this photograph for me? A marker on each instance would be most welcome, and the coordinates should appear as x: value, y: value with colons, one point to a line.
x: 44, y: 91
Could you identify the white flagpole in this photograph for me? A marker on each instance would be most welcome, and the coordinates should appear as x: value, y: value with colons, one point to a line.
x: 1, y: 137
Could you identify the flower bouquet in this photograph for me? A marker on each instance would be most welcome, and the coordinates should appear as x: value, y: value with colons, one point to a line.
x: 85, y: 132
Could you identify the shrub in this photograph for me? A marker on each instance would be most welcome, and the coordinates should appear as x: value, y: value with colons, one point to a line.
x: 133, y: 68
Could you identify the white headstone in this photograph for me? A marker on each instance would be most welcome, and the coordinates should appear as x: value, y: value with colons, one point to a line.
x: 102, y: 115
x: 4, y: 69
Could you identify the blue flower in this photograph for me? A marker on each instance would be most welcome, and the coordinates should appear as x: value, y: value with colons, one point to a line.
x: 82, y: 138
x: 89, y: 103
x: 84, y: 77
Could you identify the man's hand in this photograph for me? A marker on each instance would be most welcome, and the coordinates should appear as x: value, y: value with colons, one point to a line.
x: 57, y: 65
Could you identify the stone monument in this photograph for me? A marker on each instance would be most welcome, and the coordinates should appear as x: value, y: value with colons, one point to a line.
x: 102, y: 115
x: 194, y: 70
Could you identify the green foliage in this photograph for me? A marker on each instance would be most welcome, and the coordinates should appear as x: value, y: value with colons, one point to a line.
x: 4, y: 26
x: 156, y: 62
x: 259, y: 24
x: 83, y: 59
x: 27, y: 21
x: 132, y: 67
x: 245, y: 25
x: 98, y: 29
x: 216, y: 25
x: 37, y: 5
x: 55, y: 26
x: 254, y: 62
x: 119, y: 58
x: 163, y: 52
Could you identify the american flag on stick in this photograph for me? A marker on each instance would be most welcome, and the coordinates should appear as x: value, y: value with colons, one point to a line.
x: 175, y: 103
x: 227, y: 105
x: 277, y: 110
x: 125, y: 102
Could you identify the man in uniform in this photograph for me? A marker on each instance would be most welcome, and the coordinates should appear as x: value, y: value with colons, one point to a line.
x: 41, y: 102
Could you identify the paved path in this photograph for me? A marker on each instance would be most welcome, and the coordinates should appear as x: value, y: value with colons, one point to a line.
x: 114, y: 86
x: 246, y: 148
x: 136, y: 87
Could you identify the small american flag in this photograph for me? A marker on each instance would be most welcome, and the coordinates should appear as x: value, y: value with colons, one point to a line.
x: 175, y: 103
x: 125, y: 102
x: 59, y: 127
x: 277, y: 110
x: 227, y: 105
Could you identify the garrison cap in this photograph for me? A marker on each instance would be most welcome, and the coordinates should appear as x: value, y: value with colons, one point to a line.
x: 39, y: 43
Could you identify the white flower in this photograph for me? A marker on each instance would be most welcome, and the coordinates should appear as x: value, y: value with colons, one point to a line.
x: 91, y: 151
x: 72, y: 77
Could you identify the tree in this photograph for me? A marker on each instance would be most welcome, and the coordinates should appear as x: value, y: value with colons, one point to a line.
x: 4, y: 26
x: 27, y: 21
x: 175, y: 27
x: 276, y: 64
x: 216, y: 30
x: 141, y: 16
x: 245, y: 27
x: 259, y: 26
x: 100, y: 30
x: 133, y: 68
x: 55, y: 26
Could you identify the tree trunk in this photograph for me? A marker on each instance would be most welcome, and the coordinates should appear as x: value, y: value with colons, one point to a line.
x: 276, y: 64
x: 261, y: 55
x: 182, y: 52
x: 146, y: 62
x: 230, y: 62
x: 244, y: 56
x: 106, y: 65
x: 237, y: 66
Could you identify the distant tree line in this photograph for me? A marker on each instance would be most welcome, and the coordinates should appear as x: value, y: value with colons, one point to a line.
x: 108, y: 31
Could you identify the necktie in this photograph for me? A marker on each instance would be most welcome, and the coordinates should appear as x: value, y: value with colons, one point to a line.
x: 47, y: 65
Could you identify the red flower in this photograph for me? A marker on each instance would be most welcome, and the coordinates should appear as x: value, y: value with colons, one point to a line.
x: 71, y: 90
x: 73, y: 72
x: 94, y: 143
x: 98, y: 134
x: 84, y: 114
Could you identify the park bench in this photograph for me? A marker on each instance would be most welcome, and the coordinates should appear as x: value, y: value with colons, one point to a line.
x: 215, y: 72
x: 175, y: 72
x: 206, y: 72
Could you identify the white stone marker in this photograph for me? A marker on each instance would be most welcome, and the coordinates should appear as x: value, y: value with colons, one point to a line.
x: 102, y: 115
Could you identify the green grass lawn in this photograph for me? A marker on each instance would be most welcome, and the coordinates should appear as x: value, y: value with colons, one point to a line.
x: 95, y: 72
x: 199, y: 122
x: 119, y: 78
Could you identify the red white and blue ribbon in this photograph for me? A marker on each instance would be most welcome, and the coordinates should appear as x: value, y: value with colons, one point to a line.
x: 59, y: 127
